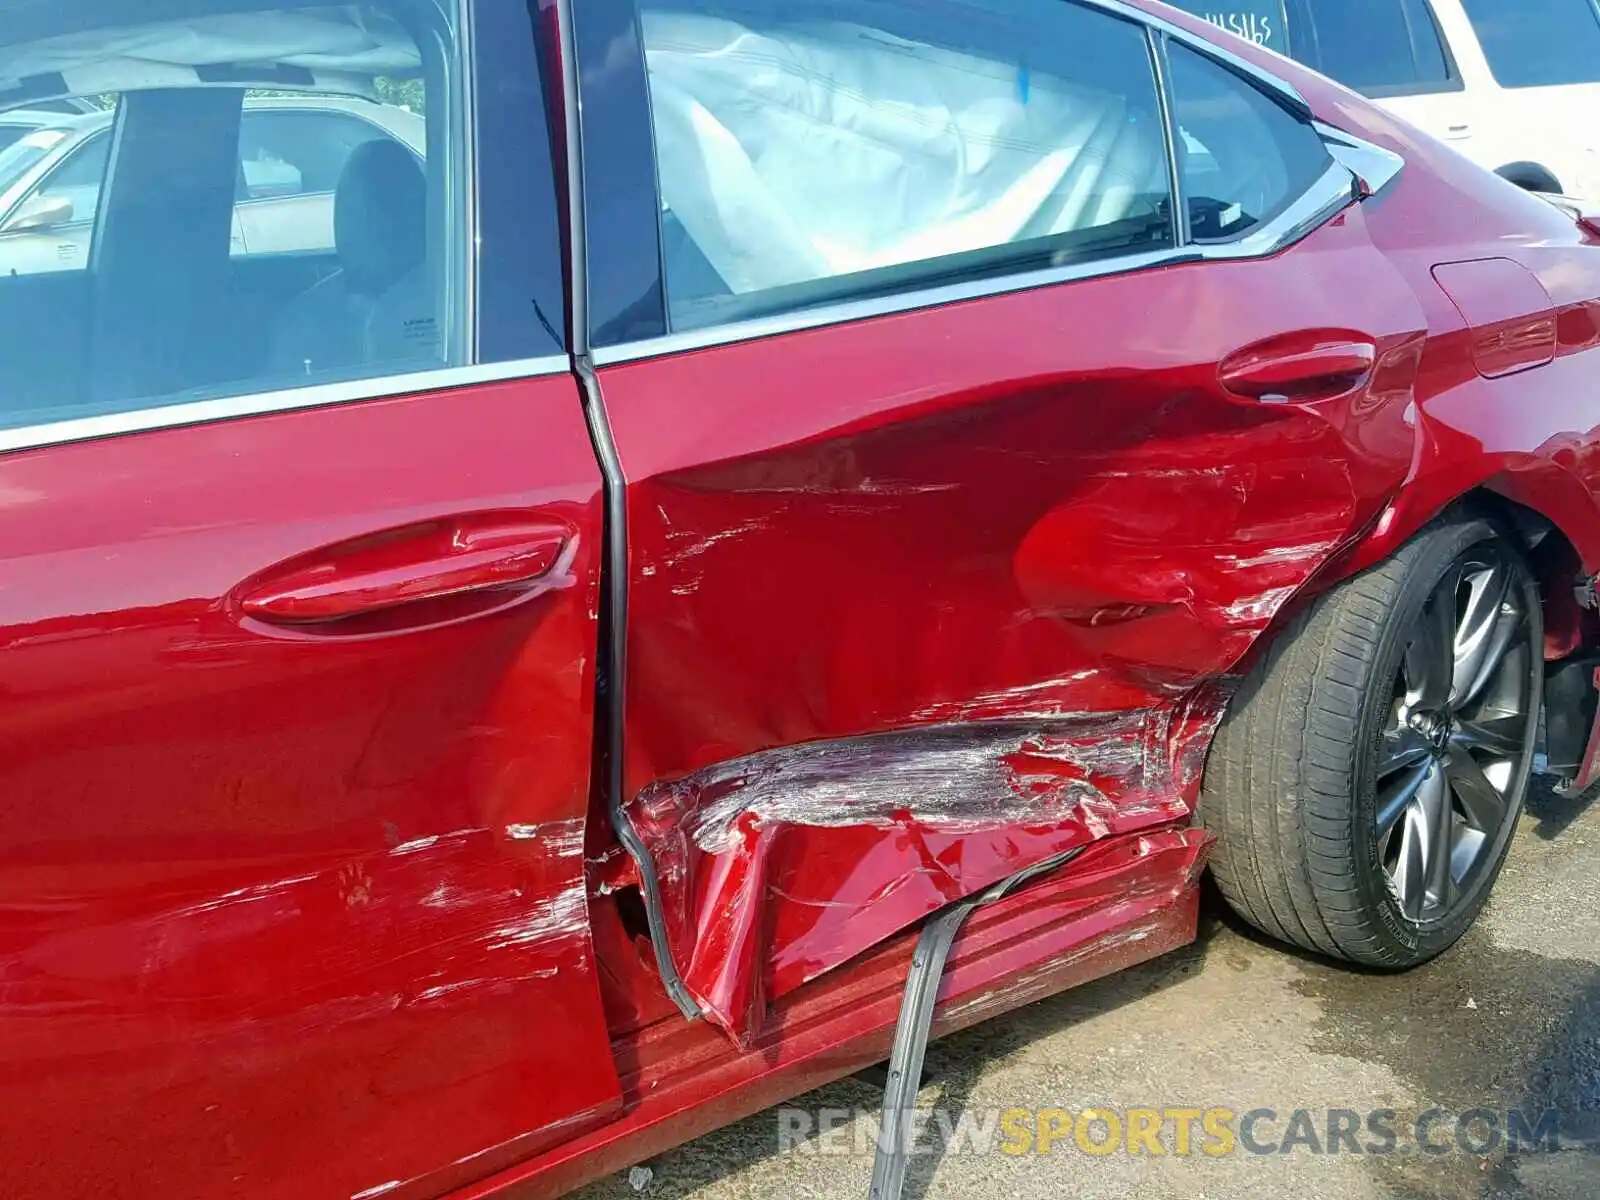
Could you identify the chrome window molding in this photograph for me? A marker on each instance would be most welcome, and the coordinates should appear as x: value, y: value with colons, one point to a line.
x: 462, y: 87
x: 847, y: 311
x: 255, y: 404
x: 1157, y: 44
x: 1373, y: 166
x: 1333, y: 191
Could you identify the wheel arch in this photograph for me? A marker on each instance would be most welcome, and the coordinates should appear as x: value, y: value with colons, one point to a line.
x: 1531, y: 176
x: 1543, y: 504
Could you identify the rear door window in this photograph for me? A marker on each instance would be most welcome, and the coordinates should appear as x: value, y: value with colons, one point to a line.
x: 827, y: 152
x: 1538, y: 43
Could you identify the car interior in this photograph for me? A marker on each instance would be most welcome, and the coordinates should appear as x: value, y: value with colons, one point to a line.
x: 163, y: 311
x: 904, y: 153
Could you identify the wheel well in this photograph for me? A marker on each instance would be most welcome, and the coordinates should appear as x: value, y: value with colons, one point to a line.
x: 1556, y: 564
x: 1530, y: 175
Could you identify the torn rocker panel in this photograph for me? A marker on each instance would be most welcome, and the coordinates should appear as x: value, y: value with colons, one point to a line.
x: 779, y: 866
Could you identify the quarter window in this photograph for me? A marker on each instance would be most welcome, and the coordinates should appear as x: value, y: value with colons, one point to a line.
x: 1242, y: 157
x: 1538, y: 43
x: 822, y: 152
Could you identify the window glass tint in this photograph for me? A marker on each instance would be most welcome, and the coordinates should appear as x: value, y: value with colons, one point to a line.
x: 50, y: 191
x: 239, y: 239
x: 1242, y: 157
x: 1536, y: 43
x: 816, y: 153
x: 29, y: 149
x: 293, y: 148
x: 80, y: 175
x: 302, y: 147
x: 1377, y: 45
x: 10, y: 135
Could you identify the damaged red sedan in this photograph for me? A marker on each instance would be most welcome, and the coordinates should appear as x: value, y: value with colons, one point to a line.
x: 572, y: 571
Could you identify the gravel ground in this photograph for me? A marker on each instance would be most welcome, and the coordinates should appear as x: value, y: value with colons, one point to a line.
x: 1510, y: 1018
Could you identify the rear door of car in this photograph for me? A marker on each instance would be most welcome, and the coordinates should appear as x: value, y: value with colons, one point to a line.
x: 956, y: 473
x: 297, y: 674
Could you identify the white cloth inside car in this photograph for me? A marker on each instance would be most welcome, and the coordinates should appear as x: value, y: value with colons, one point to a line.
x: 824, y: 148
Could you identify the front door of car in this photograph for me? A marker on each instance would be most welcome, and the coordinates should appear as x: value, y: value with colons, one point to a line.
x: 296, y: 676
x: 958, y: 471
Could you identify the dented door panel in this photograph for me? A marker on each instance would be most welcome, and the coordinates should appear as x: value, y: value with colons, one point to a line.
x: 919, y: 600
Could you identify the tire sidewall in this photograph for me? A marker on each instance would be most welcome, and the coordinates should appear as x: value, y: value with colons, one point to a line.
x: 1434, y: 553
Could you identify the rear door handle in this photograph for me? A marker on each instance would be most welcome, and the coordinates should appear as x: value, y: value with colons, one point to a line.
x: 1457, y: 132
x: 1298, y: 372
x: 434, y: 561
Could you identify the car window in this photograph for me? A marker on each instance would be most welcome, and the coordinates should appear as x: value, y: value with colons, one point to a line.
x: 1538, y: 43
x: 22, y: 155
x: 79, y: 177
x: 822, y: 152
x: 1263, y: 22
x: 1242, y: 157
x: 292, y: 155
x: 288, y: 152
x: 183, y: 298
x: 11, y: 134
x: 1379, y: 47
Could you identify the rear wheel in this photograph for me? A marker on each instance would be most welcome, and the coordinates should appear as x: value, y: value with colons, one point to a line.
x: 1367, y: 780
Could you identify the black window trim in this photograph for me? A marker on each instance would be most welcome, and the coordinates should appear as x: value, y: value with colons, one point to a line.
x: 623, y: 221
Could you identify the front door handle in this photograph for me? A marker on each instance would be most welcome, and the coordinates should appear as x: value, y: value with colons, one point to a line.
x: 1297, y: 371
x: 433, y: 561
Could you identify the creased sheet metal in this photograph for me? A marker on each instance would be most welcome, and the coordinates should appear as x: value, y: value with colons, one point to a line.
x: 861, y: 837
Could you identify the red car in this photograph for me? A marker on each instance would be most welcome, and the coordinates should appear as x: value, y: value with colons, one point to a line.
x: 778, y: 486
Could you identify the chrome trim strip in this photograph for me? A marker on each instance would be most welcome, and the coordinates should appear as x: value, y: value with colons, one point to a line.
x: 255, y: 404
x: 1157, y: 43
x: 860, y: 310
x: 1333, y: 191
x: 472, y: 245
x: 1373, y: 165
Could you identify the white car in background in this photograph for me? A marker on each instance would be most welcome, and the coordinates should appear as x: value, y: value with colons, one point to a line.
x: 1512, y: 84
x: 292, y: 151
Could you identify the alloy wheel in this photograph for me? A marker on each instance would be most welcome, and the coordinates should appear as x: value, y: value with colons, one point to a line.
x: 1451, y: 757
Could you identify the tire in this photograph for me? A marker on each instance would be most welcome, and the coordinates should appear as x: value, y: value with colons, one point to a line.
x: 1311, y: 742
